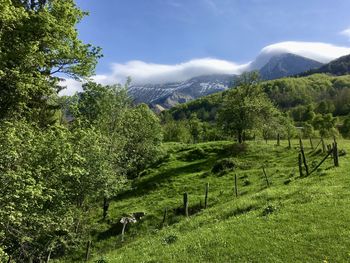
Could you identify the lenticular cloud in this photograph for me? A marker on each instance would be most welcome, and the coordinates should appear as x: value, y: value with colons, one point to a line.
x: 149, y: 73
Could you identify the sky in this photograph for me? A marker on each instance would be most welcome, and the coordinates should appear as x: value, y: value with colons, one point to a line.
x: 156, y: 41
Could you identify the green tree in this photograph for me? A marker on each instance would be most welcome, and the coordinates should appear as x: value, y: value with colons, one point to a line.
x: 132, y: 134
x: 176, y: 131
x: 38, y: 43
x: 50, y: 179
x: 195, y: 127
x: 245, y: 108
x: 141, y: 135
x: 325, y: 123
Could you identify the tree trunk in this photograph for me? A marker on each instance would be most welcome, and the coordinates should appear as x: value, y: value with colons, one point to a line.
x: 240, y: 137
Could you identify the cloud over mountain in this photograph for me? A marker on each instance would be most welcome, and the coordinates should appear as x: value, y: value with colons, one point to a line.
x: 318, y: 51
x: 150, y: 73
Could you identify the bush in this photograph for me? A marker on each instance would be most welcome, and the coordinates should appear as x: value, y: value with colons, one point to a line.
x: 223, y: 165
x: 195, y: 154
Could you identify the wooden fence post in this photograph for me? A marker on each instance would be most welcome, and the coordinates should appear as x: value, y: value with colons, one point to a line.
x: 267, y: 180
x: 311, y: 143
x: 301, y: 143
x: 165, y: 216
x: 323, y: 145
x: 335, y: 154
x: 300, y: 163
x: 206, y: 196
x: 278, y: 139
x: 186, y: 204
x: 236, y: 188
x: 304, y: 161
x: 289, y: 143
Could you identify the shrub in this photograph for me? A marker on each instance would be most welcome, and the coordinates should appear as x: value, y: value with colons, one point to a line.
x: 223, y: 165
x: 195, y: 154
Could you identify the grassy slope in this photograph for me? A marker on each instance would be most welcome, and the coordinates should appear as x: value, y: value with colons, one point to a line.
x: 295, y: 220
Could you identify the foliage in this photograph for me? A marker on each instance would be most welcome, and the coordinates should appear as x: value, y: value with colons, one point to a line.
x: 195, y: 128
x: 48, y: 178
x: 223, y: 165
x: 38, y: 40
x: 288, y: 94
x: 132, y: 134
x: 245, y: 108
x: 325, y: 123
x: 176, y: 131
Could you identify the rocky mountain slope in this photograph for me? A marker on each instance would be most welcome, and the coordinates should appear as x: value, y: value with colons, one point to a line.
x: 285, y: 65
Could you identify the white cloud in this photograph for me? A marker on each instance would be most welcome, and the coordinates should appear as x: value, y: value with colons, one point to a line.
x: 346, y: 32
x: 142, y: 72
x: 318, y: 51
x: 71, y: 87
x: 150, y: 73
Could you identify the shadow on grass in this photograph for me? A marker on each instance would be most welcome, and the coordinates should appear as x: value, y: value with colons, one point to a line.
x: 151, y: 183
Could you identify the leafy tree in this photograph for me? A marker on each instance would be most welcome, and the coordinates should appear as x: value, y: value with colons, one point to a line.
x: 176, y: 131
x: 48, y: 177
x: 278, y: 123
x: 303, y: 113
x: 307, y: 130
x: 38, y: 43
x: 141, y: 136
x: 132, y: 134
x: 325, y: 106
x: 245, y: 108
x: 195, y: 127
x: 325, y: 123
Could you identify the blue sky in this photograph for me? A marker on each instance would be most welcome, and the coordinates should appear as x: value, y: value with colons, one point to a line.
x: 168, y: 32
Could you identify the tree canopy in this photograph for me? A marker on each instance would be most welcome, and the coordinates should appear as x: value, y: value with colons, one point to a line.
x: 39, y: 44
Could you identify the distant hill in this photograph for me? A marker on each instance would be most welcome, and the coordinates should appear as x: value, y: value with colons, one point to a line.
x: 286, y: 93
x: 284, y: 65
x: 337, y: 67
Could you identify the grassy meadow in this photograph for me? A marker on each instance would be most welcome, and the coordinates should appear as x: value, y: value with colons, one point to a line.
x: 292, y: 220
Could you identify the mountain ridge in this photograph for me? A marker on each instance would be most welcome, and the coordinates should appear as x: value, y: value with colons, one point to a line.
x: 168, y: 95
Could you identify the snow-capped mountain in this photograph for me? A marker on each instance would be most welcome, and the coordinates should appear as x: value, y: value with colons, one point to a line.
x: 270, y: 67
x: 182, y: 91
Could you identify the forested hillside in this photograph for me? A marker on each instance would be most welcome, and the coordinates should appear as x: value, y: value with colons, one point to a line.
x: 340, y: 66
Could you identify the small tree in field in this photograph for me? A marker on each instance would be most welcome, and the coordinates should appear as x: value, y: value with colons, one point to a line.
x: 245, y: 108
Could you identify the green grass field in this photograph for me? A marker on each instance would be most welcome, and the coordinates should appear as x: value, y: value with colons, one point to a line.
x: 294, y: 220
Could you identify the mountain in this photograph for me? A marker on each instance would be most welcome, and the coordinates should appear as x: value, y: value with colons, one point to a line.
x: 285, y: 65
x: 169, y: 94
x: 271, y: 66
x: 337, y: 67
